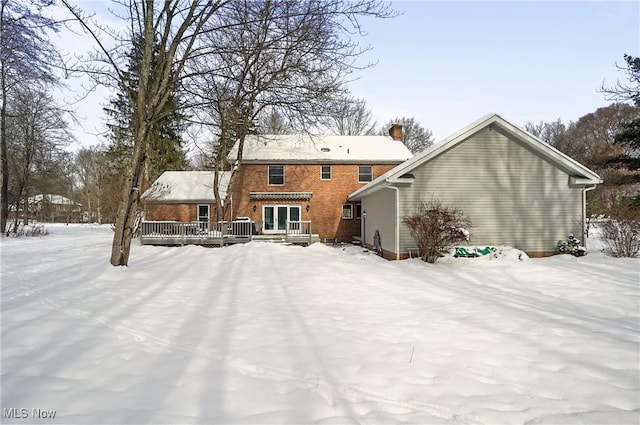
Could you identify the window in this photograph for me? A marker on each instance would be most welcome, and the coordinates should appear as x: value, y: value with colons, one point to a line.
x: 358, y: 210
x: 325, y: 172
x: 365, y: 173
x: 347, y: 211
x: 276, y: 175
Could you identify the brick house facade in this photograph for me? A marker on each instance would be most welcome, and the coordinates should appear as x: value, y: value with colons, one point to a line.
x: 318, y: 200
x: 183, y: 196
x: 308, y: 178
x: 182, y: 212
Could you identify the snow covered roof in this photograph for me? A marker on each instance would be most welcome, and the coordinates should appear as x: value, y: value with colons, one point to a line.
x: 52, y: 199
x: 186, y: 186
x: 584, y: 176
x: 295, y: 148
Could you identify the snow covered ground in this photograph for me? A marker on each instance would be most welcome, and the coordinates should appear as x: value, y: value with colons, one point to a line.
x: 264, y: 333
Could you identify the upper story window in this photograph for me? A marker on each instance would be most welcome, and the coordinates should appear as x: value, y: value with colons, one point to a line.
x: 365, y: 173
x: 276, y: 175
x: 325, y: 172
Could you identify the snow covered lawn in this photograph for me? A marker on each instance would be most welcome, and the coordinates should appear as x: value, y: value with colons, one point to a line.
x: 263, y: 333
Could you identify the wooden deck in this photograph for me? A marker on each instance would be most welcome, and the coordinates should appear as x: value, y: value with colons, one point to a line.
x: 220, y: 233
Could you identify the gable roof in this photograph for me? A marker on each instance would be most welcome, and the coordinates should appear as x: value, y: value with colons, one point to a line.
x: 300, y: 148
x: 186, y: 186
x: 584, y: 176
x: 52, y: 199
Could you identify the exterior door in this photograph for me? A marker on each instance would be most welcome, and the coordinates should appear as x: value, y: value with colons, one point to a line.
x: 203, y: 216
x: 275, y: 217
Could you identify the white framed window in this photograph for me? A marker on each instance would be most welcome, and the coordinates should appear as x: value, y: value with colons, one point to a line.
x: 347, y: 211
x: 276, y: 175
x: 325, y: 172
x: 365, y: 173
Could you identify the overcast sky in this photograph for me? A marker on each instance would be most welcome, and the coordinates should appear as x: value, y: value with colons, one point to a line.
x: 449, y: 63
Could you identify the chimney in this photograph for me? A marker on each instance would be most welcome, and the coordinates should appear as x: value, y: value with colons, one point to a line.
x: 396, y: 132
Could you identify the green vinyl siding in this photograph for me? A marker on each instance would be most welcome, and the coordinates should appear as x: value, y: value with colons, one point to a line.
x: 380, y: 208
x: 512, y: 195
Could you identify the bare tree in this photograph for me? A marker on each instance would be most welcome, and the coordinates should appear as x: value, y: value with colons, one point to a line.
x: 623, y: 92
x: 414, y: 136
x: 292, y: 57
x: 548, y: 132
x: 177, y: 26
x: 352, y: 118
x: 26, y: 56
x: 90, y: 167
x: 592, y: 141
x: 36, y: 133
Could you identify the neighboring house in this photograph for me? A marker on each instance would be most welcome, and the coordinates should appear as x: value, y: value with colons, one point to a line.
x: 289, y: 178
x: 54, y: 208
x: 184, y: 196
x: 515, y: 189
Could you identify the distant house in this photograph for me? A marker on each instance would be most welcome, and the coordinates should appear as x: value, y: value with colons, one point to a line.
x: 54, y: 208
x: 515, y: 189
x: 183, y: 196
x: 289, y: 178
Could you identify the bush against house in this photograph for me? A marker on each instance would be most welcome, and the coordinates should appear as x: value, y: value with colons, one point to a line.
x: 435, y: 228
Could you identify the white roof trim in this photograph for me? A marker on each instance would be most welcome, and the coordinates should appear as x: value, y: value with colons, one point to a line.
x: 560, y: 159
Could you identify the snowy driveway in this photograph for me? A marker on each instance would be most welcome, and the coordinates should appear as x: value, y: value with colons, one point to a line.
x: 263, y: 333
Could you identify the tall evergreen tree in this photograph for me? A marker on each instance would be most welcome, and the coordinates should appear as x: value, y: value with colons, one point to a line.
x: 165, y: 151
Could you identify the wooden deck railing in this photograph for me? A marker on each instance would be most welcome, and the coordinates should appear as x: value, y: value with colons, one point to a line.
x: 205, y: 233
x: 215, y: 233
x: 298, y: 231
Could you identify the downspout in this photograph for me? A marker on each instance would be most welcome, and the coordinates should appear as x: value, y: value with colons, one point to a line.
x: 397, y: 241
x: 584, y: 212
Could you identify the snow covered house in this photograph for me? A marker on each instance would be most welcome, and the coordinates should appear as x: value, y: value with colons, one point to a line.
x: 183, y: 196
x: 516, y: 190
x: 54, y: 208
x: 304, y: 180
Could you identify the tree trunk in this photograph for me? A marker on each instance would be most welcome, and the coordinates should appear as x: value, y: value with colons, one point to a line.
x: 25, y: 219
x: 4, y: 163
x: 143, y: 117
x: 129, y: 202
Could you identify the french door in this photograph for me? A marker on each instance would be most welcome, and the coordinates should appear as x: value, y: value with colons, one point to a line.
x: 275, y: 217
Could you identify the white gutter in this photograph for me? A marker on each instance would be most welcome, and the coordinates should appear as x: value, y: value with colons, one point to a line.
x: 397, y: 241
x: 584, y: 212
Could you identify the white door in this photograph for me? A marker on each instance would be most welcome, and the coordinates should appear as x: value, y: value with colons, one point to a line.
x: 275, y: 217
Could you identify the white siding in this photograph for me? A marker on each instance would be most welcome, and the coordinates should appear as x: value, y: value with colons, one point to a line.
x: 512, y: 196
x: 381, y: 215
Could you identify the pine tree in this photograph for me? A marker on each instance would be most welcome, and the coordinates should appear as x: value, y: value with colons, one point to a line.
x: 165, y: 151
